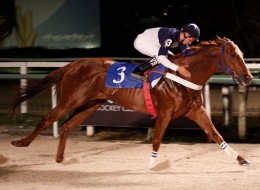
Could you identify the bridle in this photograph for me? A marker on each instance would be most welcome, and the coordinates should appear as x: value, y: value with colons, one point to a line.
x: 224, y: 68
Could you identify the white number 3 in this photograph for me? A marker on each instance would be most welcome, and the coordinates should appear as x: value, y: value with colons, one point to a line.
x: 121, y: 74
x: 168, y: 43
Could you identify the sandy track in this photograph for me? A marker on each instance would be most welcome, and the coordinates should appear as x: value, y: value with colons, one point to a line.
x: 114, y: 165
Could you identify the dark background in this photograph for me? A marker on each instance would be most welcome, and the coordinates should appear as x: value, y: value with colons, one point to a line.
x: 121, y: 21
x: 235, y: 19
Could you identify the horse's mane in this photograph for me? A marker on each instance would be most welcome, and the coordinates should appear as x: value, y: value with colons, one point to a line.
x: 204, y: 44
x: 214, y: 42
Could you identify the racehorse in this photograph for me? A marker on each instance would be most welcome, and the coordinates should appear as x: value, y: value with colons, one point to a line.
x: 82, y: 89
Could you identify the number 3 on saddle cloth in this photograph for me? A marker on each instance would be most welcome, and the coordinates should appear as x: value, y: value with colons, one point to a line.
x: 119, y: 76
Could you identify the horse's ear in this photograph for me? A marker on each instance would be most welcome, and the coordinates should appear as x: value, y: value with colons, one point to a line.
x: 227, y: 39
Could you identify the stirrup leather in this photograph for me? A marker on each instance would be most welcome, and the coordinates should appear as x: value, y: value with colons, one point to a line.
x: 139, y: 71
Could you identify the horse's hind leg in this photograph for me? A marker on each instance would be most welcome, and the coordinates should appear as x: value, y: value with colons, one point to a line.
x: 202, y: 119
x: 47, y: 120
x: 68, y: 126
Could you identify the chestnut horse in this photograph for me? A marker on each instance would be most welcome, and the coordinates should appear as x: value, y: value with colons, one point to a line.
x: 81, y: 85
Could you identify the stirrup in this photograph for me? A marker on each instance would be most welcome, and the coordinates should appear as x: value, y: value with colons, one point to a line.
x: 141, y: 77
x: 141, y: 69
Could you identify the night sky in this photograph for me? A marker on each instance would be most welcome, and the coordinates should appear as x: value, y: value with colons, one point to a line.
x: 238, y: 20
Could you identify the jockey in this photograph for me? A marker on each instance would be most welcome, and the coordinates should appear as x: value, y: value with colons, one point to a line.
x: 156, y: 43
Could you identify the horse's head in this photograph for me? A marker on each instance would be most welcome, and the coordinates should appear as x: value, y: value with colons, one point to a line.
x: 231, y: 61
x: 219, y: 55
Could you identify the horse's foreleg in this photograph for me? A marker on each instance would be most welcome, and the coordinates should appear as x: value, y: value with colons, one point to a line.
x: 47, y: 120
x: 201, y: 117
x: 160, y: 128
x: 68, y: 126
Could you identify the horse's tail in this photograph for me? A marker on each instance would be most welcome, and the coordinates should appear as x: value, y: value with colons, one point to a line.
x: 34, y: 86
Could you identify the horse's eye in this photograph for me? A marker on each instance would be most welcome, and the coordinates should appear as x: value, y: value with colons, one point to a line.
x: 233, y: 54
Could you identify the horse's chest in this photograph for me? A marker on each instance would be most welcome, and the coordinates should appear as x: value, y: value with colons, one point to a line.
x: 188, y: 100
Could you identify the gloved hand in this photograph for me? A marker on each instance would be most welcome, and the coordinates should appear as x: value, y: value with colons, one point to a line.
x: 183, y: 71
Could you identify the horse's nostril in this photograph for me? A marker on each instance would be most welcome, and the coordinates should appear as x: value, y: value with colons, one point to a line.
x: 248, y: 77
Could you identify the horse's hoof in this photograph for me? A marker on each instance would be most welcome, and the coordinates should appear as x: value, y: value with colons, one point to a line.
x: 59, y: 160
x: 244, y: 162
x: 18, y: 143
x: 14, y: 142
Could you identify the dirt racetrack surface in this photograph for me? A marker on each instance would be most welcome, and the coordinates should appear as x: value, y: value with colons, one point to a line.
x: 113, y: 165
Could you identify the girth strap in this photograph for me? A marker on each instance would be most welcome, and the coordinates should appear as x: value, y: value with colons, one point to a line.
x: 148, y: 99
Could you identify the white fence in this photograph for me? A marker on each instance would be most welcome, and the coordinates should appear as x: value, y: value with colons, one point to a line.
x: 252, y: 63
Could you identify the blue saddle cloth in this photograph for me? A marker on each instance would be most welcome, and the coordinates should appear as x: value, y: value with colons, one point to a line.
x: 119, y: 75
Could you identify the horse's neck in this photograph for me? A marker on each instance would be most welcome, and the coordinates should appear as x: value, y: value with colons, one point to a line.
x: 200, y: 67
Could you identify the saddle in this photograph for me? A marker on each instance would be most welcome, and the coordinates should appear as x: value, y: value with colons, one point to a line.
x: 119, y: 76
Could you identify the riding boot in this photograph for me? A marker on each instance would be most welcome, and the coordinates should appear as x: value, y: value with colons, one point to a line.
x: 140, y: 70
